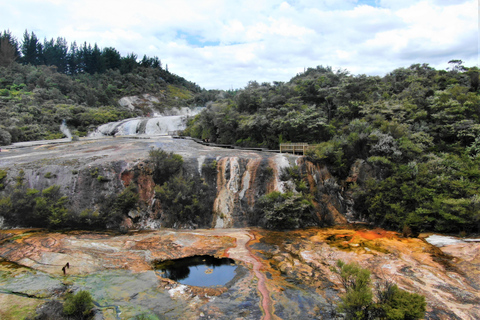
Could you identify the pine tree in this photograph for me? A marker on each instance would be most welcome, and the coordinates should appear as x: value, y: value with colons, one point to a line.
x: 32, y: 49
x: 8, y: 49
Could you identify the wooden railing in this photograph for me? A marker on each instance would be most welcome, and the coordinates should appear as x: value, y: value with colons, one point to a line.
x: 297, y: 147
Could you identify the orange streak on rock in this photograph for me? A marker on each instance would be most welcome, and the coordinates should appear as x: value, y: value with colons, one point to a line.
x: 375, y: 234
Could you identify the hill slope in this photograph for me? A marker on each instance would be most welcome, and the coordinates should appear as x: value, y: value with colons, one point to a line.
x: 405, y: 146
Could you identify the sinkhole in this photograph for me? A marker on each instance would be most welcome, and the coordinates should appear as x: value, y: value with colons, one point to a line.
x: 199, y: 271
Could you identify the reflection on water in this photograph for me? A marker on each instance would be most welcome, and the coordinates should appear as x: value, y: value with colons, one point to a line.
x: 200, y: 271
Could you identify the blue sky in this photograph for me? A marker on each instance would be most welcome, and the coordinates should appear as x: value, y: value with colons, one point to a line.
x: 222, y: 44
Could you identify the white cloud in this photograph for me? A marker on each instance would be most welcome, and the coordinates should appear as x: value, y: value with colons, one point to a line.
x: 224, y: 44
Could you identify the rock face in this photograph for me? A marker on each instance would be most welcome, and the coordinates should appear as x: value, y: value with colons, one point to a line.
x: 157, y: 124
x: 91, y: 170
x: 286, y: 275
x: 137, y: 101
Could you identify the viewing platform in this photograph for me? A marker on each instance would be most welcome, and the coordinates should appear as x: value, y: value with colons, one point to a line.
x: 296, y: 147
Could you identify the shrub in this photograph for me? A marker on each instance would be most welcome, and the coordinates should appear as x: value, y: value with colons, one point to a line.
x: 116, y: 207
x: 186, y: 199
x: 33, y: 208
x: 286, y: 210
x: 165, y: 165
x: 357, y: 300
x: 331, y: 154
x: 3, y: 176
x: 78, y: 305
x: 397, y: 304
x: 388, y: 302
x: 5, y: 137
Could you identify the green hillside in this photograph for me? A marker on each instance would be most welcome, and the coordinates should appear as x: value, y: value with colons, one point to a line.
x: 42, y: 84
x: 417, y: 127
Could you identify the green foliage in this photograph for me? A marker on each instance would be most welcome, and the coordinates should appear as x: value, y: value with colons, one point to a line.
x: 331, y: 154
x: 439, y: 193
x: 5, y: 137
x: 397, y: 304
x: 165, y: 165
x: 286, y: 210
x: 399, y: 123
x: 188, y: 200
x: 49, y: 208
x: 116, y: 207
x: 387, y: 302
x: 37, y: 97
x: 33, y: 208
x: 102, y: 179
x: 94, y: 172
x: 78, y: 305
x: 357, y: 301
x: 3, y: 177
x: 294, y: 173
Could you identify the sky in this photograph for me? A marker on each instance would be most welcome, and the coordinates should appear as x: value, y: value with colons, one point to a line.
x: 222, y: 44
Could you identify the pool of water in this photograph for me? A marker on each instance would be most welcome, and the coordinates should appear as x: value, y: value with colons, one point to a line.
x: 200, y: 271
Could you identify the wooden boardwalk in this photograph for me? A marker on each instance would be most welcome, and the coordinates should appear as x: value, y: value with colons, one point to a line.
x: 296, y: 147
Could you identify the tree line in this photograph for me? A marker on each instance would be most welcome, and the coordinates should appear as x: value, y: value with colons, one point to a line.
x: 69, y: 59
x: 415, y: 131
x: 44, y: 83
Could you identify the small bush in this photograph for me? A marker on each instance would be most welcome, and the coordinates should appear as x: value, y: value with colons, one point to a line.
x: 388, y: 302
x: 49, y: 175
x: 165, y: 165
x: 79, y: 305
x: 5, y: 137
x: 189, y: 200
x: 286, y: 210
x: 102, y: 179
x: 3, y: 176
x: 116, y: 207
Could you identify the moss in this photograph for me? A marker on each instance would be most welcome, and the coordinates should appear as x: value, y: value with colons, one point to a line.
x: 179, y: 93
x: 49, y: 175
x: 94, y: 172
x: 102, y: 179
x: 16, y: 307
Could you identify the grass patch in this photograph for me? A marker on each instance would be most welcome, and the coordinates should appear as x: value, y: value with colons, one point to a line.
x: 14, y: 307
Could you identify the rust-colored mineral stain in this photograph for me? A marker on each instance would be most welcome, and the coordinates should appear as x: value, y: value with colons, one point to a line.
x: 374, y: 234
x: 243, y: 253
x: 267, y: 305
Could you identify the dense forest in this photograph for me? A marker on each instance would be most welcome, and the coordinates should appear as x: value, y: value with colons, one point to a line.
x: 417, y: 127
x: 42, y: 84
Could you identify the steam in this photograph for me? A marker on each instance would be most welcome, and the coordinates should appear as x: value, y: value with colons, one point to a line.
x: 65, y: 130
